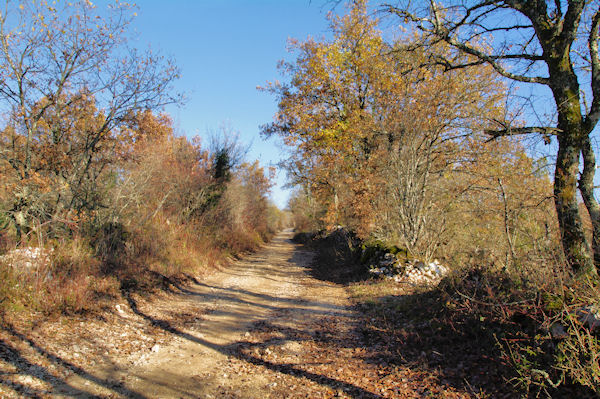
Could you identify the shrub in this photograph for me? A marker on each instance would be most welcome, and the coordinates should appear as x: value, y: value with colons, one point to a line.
x: 169, y: 207
x: 109, y: 241
x: 578, y: 349
x: 542, y: 336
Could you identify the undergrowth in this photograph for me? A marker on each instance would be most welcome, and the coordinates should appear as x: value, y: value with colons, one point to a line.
x: 167, y: 213
x: 86, y: 275
x: 482, y: 329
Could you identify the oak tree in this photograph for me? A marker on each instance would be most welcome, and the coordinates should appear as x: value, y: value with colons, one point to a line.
x: 54, y: 59
x: 550, y: 43
x: 371, y: 130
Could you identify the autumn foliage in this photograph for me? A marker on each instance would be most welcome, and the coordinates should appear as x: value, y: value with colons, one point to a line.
x: 391, y: 146
x: 92, y: 172
x: 392, y: 143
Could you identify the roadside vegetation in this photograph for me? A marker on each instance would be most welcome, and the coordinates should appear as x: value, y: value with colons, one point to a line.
x: 410, y: 148
x: 99, y: 196
x: 421, y: 145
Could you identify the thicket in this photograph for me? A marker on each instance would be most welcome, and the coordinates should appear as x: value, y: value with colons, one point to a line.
x: 162, y: 211
x: 98, y: 195
x: 397, y: 146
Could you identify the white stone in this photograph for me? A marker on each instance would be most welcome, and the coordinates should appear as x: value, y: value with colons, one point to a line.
x: 590, y: 316
x: 119, y: 309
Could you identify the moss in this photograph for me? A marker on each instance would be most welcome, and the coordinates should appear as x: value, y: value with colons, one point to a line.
x: 373, y: 251
x: 552, y: 302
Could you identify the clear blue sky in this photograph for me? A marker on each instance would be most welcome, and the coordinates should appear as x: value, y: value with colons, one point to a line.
x: 225, y: 49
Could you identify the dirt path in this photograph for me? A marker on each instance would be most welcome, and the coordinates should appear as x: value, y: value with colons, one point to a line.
x: 203, y: 359
x: 260, y: 328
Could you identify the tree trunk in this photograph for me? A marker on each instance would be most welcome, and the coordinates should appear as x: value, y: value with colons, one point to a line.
x: 575, y: 246
x: 571, y: 140
x: 586, y: 188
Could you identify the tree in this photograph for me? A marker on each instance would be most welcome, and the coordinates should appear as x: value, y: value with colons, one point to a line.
x: 53, y: 59
x: 325, y: 112
x: 551, y: 43
x: 166, y: 174
x: 371, y: 130
x: 306, y: 213
x: 498, y: 207
x: 228, y: 152
x: 250, y: 202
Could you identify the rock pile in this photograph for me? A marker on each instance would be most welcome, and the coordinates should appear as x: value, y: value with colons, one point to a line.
x: 27, y: 258
x: 420, y: 273
x: 411, y: 271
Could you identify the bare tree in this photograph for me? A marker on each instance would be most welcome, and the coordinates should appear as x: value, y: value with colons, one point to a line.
x: 53, y: 58
x: 551, y: 43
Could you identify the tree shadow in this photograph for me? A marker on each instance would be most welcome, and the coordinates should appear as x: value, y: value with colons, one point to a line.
x: 411, y: 330
x: 24, y: 367
x: 234, y: 350
x: 334, y: 261
x: 403, y: 330
x: 416, y: 330
x: 419, y: 344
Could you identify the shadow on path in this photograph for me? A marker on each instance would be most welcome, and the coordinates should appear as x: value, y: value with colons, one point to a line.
x: 233, y: 350
x: 10, y: 354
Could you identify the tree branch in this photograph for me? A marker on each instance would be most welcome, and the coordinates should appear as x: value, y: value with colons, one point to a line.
x: 569, y: 25
x: 435, y: 28
x: 545, y: 131
x: 443, y: 32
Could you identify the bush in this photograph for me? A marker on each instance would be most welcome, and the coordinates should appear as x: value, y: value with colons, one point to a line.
x: 69, y: 281
x: 542, y: 336
x: 575, y: 311
x: 373, y: 251
x: 169, y: 207
x: 529, y: 323
x: 109, y: 241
